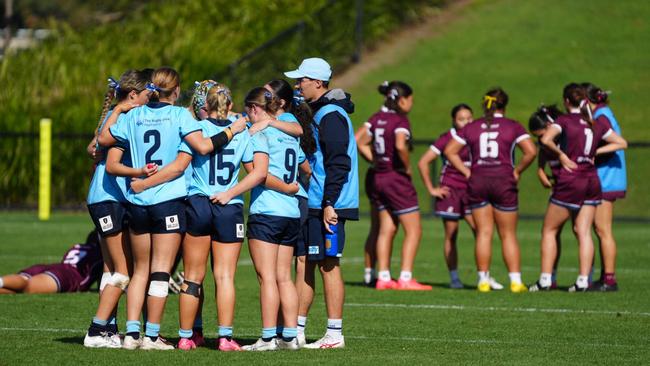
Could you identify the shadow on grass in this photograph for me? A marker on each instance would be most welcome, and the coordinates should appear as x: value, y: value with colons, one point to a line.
x: 439, y: 285
x: 209, y: 342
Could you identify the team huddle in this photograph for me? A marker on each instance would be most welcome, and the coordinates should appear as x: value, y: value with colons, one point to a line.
x: 168, y: 178
x: 478, y: 183
x: 168, y: 184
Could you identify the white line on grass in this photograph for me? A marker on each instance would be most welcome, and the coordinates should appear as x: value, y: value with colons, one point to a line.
x: 500, y: 309
x: 384, y: 338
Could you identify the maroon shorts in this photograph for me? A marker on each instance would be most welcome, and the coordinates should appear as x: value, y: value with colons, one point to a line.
x: 613, y: 196
x: 393, y: 191
x: 499, y: 191
x: 370, y: 184
x: 66, y: 276
x: 574, y: 191
x: 455, y: 206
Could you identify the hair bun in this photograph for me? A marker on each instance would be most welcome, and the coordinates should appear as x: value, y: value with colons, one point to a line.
x: 383, y: 88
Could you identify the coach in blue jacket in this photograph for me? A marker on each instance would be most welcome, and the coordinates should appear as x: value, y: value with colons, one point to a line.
x: 333, y: 193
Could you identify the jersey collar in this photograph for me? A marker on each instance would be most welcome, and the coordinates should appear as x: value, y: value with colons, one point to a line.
x: 157, y: 104
x: 219, y: 122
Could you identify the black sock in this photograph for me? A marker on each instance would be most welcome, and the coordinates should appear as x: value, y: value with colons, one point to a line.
x: 134, y: 335
x: 268, y: 339
x: 153, y: 339
x: 95, y: 329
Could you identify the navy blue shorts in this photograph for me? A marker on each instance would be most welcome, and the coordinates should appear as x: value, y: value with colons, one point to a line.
x: 109, y: 217
x: 301, y: 247
x: 224, y: 224
x: 274, y: 229
x: 162, y: 218
x: 316, y: 238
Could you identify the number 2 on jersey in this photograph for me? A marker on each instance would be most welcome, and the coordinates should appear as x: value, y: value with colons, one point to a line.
x: 148, y: 156
x: 488, y: 146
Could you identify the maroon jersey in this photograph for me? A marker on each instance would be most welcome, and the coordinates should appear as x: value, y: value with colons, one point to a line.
x: 579, y: 140
x: 450, y: 176
x: 551, y: 159
x: 87, y: 259
x: 492, y: 147
x: 383, y: 126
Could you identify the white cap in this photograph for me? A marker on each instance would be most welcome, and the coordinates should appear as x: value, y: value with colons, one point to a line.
x: 313, y: 68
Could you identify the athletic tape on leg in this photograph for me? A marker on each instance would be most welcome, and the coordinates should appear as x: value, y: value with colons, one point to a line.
x: 191, y: 288
x: 119, y: 280
x: 159, y: 284
x: 106, y: 277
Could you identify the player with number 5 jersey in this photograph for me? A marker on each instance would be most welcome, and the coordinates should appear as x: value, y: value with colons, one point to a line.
x: 393, y: 194
x: 492, y: 185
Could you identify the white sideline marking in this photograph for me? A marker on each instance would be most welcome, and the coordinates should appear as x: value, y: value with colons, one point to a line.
x: 504, y: 309
x: 413, y: 339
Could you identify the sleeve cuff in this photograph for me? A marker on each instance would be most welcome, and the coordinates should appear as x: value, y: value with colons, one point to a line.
x: 608, y: 133
x: 522, y: 138
x: 556, y: 126
x: 404, y: 131
x: 459, y: 139
x: 435, y: 150
x: 183, y: 136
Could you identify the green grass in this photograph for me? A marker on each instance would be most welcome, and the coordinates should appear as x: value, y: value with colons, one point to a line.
x: 532, y: 49
x: 439, y: 327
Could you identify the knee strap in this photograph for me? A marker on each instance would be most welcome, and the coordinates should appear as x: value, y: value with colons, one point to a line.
x: 159, y: 284
x: 119, y: 280
x: 106, y: 278
x: 191, y: 288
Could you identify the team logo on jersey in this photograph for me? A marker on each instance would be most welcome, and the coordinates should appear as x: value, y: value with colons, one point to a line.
x: 314, y: 249
x: 240, y: 230
x: 381, y: 122
x: 172, y: 222
x: 450, y: 209
x: 106, y: 223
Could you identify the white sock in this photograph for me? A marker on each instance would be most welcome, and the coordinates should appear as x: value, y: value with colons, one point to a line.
x: 545, y: 279
x: 302, y: 323
x: 368, y: 274
x: 405, y: 275
x: 583, y: 281
x: 453, y: 274
x: 384, y: 276
x: 335, y: 328
x: 2, y: 282
x: 483, y: 276
x: 515, y: 277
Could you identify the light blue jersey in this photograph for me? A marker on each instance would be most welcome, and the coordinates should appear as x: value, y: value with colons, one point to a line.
x: 283, y: 163
x: 218, y: 171
x: 153, y: 134
x: 302, y: 192
x: 105, y: 187
x: 612, y: 172
x: 289, y: 117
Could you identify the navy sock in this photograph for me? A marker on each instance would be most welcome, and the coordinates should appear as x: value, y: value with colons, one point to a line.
x: 97, y: 327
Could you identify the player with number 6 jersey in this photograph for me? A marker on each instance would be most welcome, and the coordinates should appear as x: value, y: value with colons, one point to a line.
x: 493, y: 179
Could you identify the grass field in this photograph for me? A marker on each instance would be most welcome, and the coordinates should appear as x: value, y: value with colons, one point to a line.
x: 439, y: 327
x: 532, y: 49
